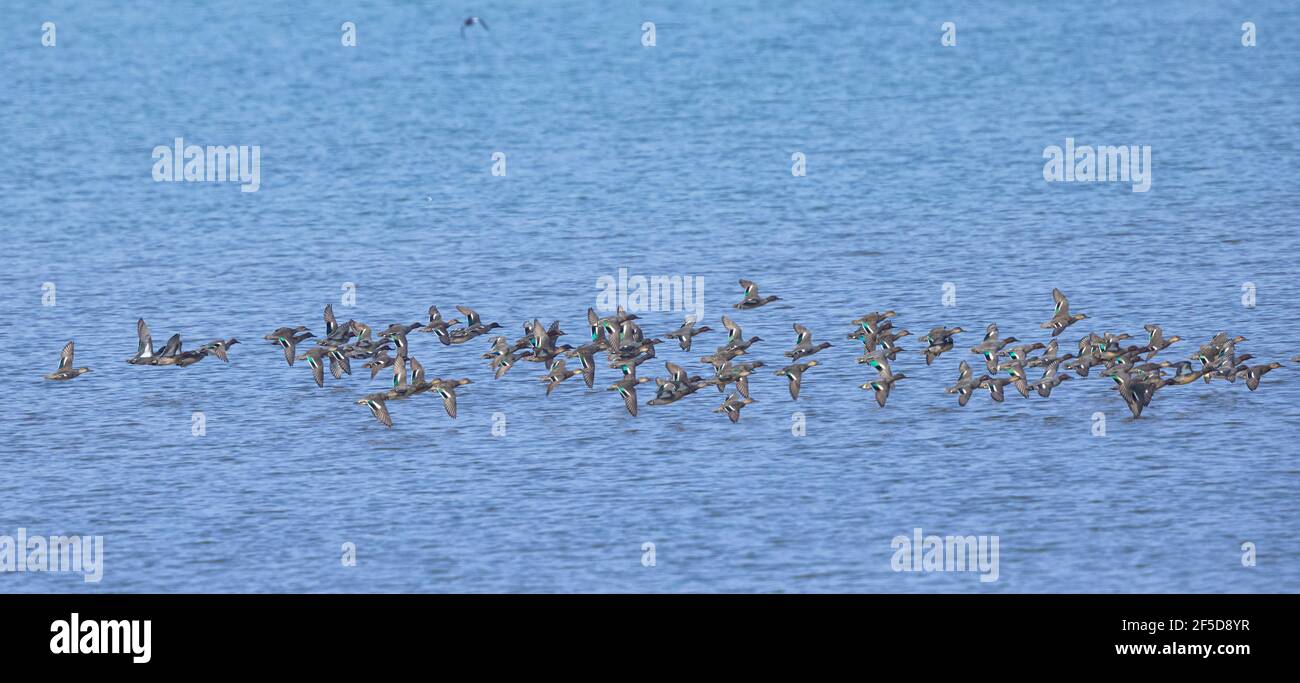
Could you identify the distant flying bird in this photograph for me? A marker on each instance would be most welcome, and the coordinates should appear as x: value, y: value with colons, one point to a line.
x: 471, y: 22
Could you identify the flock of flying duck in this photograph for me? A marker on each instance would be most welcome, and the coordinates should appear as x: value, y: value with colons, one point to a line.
x: 1136, y: 375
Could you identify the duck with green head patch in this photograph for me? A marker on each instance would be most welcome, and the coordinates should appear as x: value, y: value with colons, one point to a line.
x: 1019, y: 379
x: 474, y: 327
x: 1021, y: 353
x: 878, y: 360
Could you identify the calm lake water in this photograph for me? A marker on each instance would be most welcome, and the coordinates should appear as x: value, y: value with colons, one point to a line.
x: 924, y: 167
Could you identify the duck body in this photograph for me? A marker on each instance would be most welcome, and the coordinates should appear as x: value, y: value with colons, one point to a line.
x: 66, y: 371
x: 752, y: 299
x: 794, y: 373
x: 732, y: 405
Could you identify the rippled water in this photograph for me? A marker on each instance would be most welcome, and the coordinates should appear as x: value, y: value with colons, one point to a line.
x: 924, y: 168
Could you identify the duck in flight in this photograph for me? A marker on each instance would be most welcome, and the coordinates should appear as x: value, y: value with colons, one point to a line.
x: 882, y: 386
x: 171, y: 352
x: 732, y: 405
x: 66, y: 371
x: 966, y: 384
x: 439, y: 326
x: 686, y: 332
x: 794, y: 372
x: 752, y: 299
x: 803, y: 344
x: 144, y: 352
x: 288, y: 338
x: 626, y: 387
x: 557, y: 374
x: 470, y: 22
x: 1062, y: 318
x: 939, y: 341
x: 220, y: 348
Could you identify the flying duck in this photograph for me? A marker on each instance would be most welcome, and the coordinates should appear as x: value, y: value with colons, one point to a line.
x: 626, y: 387
x: 965, y: 385
x: 1062, y: 318
x: 439, y: 326
x: 794, y: 372
x: 170, y: 352
x: 315, y: 357
x: 732, y: 405
x: 1050, y: 380
x: 556, y: 375
x: 803, y: 345
x: 378, y: 408
x: 735, y: 374
x: 66, y: 371
x: 995, y: 386
x: 144, y: 352
x: 871, y: 323
x: 397, y: 334
x: 882, y: 385
x: 752, y: 299
x: 938, y: 341
x: 686, y: 332
x: 220, y: 347
x: 470, y: 22
x: 288, y: 338
x: 1158, y: 342
x: 1253, y: 374
x: 446, y: 388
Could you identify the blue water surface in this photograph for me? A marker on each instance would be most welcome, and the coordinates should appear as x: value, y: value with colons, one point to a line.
x: 924, y: 167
